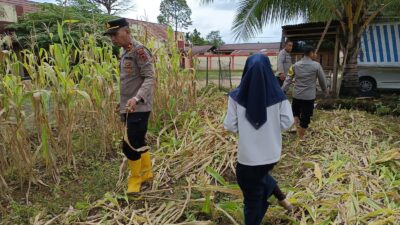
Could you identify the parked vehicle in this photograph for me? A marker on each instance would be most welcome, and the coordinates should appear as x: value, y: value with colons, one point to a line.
x: 378, y: 61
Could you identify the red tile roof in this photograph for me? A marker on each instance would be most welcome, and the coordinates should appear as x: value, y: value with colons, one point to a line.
x: 249, y: 52
x: 201, y: 49
x: 158, y: 31
x: 27, y: 6
x: 21, y: 7
x: 251, y: 46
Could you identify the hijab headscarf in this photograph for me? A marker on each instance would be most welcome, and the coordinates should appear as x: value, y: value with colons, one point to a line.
x: 258, y: 90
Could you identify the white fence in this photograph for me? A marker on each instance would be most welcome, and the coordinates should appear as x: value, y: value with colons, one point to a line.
x: 236, y: 62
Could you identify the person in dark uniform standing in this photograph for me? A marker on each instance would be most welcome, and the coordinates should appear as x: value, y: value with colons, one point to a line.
x: 136, y: 98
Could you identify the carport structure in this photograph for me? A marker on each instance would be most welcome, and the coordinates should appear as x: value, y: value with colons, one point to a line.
x: 325, y: 37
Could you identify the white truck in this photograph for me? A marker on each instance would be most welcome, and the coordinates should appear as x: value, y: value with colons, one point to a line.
x: 379, y: 58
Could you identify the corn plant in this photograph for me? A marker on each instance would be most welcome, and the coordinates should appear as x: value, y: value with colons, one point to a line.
x: 47, y: 146
x: 69, y: 81
x: 175, y: 89
x: 98, y: 72
x: 16, y: 147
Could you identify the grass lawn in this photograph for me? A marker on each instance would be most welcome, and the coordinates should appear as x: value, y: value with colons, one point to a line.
x: 213, y: 74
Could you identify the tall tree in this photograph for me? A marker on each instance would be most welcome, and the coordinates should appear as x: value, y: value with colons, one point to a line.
x: 354, y: 17
x: 214, y: 38
x: 196, y: 38
x: 114, y: 7
x: 175, y: 13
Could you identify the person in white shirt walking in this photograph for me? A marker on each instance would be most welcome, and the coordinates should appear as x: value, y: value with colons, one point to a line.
x: 258, y: 111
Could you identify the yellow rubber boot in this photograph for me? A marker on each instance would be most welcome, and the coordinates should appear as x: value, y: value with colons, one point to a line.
x: 134, y: 180
x: 147, y: 174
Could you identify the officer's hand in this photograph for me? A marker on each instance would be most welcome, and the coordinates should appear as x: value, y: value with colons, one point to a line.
x: 117, y: 108
x: 282, y: 76
x: 131, y: 105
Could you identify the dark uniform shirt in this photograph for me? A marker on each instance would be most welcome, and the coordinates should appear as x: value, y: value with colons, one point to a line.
x: 137, y: 77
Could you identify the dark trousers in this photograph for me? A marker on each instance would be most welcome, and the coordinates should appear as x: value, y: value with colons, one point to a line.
x: 137, y: 128
x: 303, y: 109
x: 257, y: 186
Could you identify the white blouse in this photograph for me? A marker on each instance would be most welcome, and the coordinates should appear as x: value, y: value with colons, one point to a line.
x: 262, y: 146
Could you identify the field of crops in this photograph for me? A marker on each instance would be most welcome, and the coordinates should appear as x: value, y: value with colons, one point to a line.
x: 60, y: 161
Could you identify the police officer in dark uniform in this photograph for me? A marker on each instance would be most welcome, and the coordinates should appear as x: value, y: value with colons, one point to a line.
x: 136, y: 98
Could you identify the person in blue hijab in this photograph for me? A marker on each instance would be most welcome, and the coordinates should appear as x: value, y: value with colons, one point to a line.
x: 258, y: 111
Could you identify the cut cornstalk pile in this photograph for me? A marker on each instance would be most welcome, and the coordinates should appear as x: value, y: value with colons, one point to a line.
x: 345, y: 173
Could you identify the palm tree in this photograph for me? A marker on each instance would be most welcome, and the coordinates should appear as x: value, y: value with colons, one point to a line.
x: 354, y: 17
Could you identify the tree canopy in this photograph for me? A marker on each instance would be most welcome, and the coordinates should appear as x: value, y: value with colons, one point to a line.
x: 175, y: 13
x: 114, y: 7
x: 39, y: 29
x: 195, y: 38
x: 214, y: 38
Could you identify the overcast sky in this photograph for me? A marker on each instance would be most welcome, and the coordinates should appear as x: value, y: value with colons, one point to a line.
x: 217, y: 16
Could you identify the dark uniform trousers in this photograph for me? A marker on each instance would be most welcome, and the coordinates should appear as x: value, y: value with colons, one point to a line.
x: 137, y: 128
x: 303, y: 109
x: 257, y: 186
